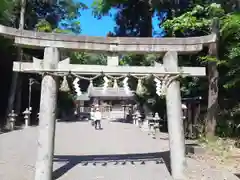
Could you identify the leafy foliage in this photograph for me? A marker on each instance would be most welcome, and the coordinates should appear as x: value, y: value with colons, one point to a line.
x: 6, y: 9
x: 44, y: 15
x: 88, y: 58
x: 193, y: 23
x: 53, y: 17
x: 197, y: 22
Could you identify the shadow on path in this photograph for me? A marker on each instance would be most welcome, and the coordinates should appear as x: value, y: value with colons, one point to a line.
x: 71, y: 120
x: 238, y: 175
x: 121, y: 120
x: 5, y: 130
x: 103, y: 160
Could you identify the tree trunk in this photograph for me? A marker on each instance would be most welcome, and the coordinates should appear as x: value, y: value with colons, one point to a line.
x: 146, y: 28
x: 213, y: 75
x: 211, y: 118
x: 15, y: 77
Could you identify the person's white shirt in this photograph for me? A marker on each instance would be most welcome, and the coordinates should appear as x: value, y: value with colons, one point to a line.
x: 97, y: 115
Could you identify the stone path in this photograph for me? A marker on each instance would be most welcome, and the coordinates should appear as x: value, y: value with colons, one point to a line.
x: 81, y: 152
x: 118, y: 152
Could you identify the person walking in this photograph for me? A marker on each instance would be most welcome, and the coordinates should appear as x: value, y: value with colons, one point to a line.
x: 97, y: 118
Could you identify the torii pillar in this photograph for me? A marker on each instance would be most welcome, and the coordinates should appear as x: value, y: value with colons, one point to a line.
x: 47, y: 117
x: 174, y: 118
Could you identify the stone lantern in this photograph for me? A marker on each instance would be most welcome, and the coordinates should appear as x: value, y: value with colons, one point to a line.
x: 137, y: 118
x: 133, y: 116
x: 156, y: 120
x: 27, y: 114
x: 12, y: 119
x: 153, y: 125
x: 146, y: 123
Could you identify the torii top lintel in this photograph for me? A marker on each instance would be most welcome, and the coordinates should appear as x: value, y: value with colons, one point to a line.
x: 107, y: 44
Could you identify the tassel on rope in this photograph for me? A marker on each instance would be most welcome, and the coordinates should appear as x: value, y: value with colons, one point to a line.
x: 161, y: 85
x: 106, y: 81
x: 115, y: 85
x: 139, y: 89
x: 125, y: 85
x: 90, y: 86
x: 64, y: 86
x: 158, y: 86
x: 76, y: 87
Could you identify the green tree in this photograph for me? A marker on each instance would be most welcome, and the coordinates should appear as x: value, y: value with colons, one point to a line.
x: 88, y: 58
x: 7, y: 53
x: 198, y: 22
x: 43, y: 15
x: 138, y: 23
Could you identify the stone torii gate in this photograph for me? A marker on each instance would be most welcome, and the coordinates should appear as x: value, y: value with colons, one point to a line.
x: 52, y: 43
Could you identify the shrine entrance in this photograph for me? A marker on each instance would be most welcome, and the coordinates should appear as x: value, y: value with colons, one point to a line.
x: 166, y: 78
x: 110, y: 100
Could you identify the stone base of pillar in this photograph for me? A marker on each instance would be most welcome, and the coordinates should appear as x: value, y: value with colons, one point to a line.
x: 26, y: 123
x: 137, y: 123
x: 11, y: 126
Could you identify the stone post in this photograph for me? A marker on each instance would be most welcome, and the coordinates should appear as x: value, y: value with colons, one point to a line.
x: 156, y: 122
x: 38, y: 116
x: 134, y: 118
x: 12, y: 119
x: 137, y: 118
x: 174, y: 117
x: 27, y: 114
x: 113, y: 59
x: 47, y: 117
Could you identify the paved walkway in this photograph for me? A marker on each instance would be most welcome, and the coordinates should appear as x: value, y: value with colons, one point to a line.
x: 118, y: 152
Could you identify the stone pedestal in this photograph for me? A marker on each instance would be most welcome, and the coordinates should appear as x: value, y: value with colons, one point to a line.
x: 11, y: 124
x: 27, y: 114
x: 136, y: 122
x: 12, y: 119
x: 195, y: 149
x: 145, y: 126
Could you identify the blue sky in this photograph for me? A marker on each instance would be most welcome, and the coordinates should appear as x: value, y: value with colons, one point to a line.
x: 94, y: 27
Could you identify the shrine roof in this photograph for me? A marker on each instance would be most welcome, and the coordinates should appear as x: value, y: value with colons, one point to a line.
x: 109, y: 92
x: 83, y: 97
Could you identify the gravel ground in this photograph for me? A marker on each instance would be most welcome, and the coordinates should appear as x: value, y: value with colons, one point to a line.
x: 223, y: 166
x: 78, y: 143
x: 197, y: 170
x: 205, y: 168
x: 81, y: 152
